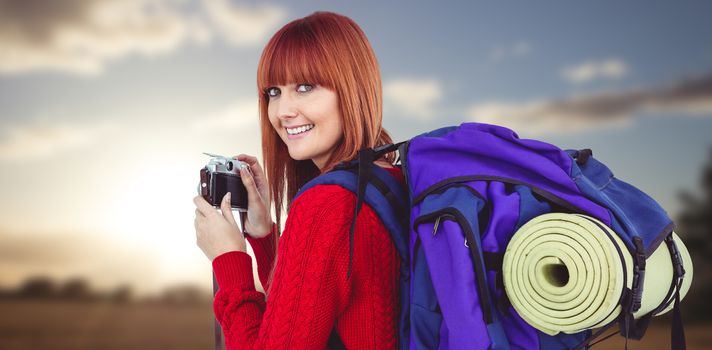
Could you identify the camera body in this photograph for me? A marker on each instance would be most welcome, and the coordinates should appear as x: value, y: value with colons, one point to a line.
x: 220, y: 176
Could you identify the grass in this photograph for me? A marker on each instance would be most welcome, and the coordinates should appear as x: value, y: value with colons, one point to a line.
x: 79, y: 325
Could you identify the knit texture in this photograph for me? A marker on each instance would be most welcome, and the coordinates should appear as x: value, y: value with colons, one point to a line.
x: 311, y: 295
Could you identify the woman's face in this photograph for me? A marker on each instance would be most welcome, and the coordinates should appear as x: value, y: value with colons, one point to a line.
x: 307, y: 119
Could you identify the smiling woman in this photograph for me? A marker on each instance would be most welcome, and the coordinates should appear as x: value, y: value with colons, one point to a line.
x: 319, y: 91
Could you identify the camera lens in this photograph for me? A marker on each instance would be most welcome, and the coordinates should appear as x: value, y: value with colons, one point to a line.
x: 229, y: 166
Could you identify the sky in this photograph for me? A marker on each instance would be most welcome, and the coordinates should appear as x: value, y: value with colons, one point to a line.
x: 107, y: 105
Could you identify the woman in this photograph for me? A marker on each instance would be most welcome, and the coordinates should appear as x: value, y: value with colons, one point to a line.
x: 320, y: 102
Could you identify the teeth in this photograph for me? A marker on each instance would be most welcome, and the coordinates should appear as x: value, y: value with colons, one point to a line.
x: 300, y: 129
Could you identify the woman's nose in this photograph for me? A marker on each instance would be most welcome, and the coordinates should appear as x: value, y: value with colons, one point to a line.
x: 288, y: 107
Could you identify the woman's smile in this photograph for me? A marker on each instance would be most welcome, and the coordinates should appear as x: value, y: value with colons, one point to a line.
x: 299, y: 131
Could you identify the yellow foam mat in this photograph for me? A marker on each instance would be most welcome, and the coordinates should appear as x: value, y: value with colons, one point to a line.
x: 562, y: 273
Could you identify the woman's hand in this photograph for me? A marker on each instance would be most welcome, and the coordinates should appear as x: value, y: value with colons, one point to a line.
x: 259, y: 220
x: 217, y: 233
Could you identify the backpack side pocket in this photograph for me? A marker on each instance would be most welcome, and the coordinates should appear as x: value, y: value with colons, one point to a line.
x: 447, y: 227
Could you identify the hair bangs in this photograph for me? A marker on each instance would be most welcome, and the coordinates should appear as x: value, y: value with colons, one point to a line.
x: 296, y: 57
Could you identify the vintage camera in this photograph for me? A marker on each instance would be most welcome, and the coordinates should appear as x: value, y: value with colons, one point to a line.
x: 220, y: 176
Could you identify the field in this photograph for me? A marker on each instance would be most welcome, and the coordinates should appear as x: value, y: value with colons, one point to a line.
x: 85, y: 325
x: 82, y: 325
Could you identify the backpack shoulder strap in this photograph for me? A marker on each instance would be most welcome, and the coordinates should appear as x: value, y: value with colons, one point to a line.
x: 383, y: 193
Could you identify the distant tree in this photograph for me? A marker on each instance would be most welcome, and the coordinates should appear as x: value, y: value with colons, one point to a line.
x: 121, y: 295
x: 76, y: 289
x: 37, y: 287
x: 7, y: 293
x: 695, y: 227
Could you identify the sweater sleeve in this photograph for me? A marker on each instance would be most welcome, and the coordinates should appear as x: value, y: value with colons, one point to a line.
x: 264, y: 249
x: 310, y: 286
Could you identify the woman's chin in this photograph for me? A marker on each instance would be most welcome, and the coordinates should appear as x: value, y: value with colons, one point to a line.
x: 298, y: 156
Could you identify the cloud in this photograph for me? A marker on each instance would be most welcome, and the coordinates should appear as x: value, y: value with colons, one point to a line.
x: 241, y: 25
x: 607, y: 109
x: 237, y: 116
x: 42, y: 140
x: 521, y: 48
x: 414, y: 97
x: 611, y: 68
x: 81, y: 36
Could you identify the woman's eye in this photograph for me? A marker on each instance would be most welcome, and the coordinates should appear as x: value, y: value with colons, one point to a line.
x: 273, y: 92
x: 305, y: 87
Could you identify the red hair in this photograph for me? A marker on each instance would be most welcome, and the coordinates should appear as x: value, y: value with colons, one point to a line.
x: 330, y: 50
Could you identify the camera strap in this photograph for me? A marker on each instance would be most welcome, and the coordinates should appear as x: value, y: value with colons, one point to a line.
x: 217, y: 328
x: 216, y: 325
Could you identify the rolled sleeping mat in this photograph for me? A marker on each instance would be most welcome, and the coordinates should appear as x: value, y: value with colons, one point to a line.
x: 563, y: 273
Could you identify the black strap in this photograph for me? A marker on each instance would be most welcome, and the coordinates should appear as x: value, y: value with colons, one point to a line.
x: 380, y: 151
x: 636, y: 329
x: 386, y: 192
x: 677, y: 339
x: 217, y: 329
x: 604, y: 338
x: 365, y: 158
x: 365, y: 161
x: 334, y: 342
x: 629, y: 326
x: 593, y: 336
x: 493, y: 260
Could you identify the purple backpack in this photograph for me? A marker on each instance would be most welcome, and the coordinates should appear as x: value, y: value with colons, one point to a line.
x: 469, y: 188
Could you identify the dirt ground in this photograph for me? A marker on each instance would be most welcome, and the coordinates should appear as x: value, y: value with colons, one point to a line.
x: 78, y: 326
x: 697, y: 337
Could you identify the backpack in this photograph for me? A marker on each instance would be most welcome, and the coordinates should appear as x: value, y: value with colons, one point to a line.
x: 469, y: 189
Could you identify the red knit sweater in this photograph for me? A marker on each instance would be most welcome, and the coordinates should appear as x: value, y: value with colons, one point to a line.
x: 311, y: 294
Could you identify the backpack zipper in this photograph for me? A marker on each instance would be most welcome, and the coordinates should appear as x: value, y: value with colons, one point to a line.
x: 456, y: 216
x: 437, y: 221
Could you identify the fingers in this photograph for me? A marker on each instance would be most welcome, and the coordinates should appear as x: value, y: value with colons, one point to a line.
x: 227, y: 209
x: 258, y: 176
x: 203, y: 207
x: 251, y: 161
x: 246, y: 158
x: 199, y: 220
x: 253, y: 196
x: 254, y: 165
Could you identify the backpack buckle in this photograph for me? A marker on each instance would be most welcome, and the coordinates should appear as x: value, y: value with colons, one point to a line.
x: 676, y: 257
x: 638, y: 275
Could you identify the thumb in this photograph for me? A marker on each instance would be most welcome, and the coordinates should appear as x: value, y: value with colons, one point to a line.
x: 253, y: 196
x: 227, y: 209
